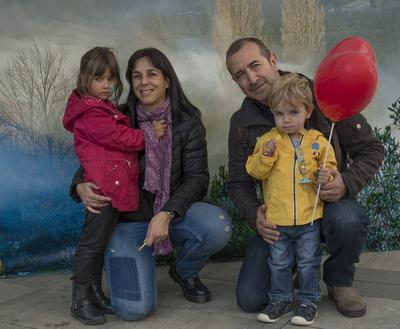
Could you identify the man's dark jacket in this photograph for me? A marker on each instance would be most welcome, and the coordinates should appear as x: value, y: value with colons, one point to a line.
x: 358, y: 152
x: 189, y: 168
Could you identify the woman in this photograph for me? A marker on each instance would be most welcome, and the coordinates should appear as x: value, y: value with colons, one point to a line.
x: 170, y: 201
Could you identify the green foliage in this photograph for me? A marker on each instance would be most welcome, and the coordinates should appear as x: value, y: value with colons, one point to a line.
x: 382, y: 195
x: 241, y: 232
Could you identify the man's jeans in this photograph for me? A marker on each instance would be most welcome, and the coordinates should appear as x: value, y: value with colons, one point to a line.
x: 131, y: 274
x: 300, y: 243
x: 344, y: 230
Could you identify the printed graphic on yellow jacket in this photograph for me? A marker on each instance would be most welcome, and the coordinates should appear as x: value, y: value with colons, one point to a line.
x: 289, y: 199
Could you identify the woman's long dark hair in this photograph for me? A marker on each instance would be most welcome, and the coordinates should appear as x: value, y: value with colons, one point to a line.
x: 179, y: 101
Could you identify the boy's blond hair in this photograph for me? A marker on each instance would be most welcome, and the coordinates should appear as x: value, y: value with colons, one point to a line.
x: 291, y: 89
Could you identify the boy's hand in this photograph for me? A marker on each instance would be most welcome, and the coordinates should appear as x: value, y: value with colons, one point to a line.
x: 335, y: 189
x: 323, y: 176
x: 159, y: 127
x: 269, y: 148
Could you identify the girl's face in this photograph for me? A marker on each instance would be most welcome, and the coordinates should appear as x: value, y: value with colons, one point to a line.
x: 290, y: 119
x: 102, y: 86
x: 149, y: 84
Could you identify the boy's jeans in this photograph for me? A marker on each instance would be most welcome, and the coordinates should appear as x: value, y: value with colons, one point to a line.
x: 343, y: 229
x: 300, y: 243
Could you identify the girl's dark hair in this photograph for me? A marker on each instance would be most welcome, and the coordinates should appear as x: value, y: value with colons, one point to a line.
x: 95, y: 63
x: 179, y: 101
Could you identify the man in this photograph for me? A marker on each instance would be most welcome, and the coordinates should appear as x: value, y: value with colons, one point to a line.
x: 344, y: 227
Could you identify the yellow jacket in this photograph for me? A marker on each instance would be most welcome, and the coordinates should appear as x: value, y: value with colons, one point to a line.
x: 288, y: 201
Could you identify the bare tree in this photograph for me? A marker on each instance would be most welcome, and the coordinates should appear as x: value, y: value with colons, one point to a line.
x: 234, y: 19
x: 33, y: 92
x: 303, y: 30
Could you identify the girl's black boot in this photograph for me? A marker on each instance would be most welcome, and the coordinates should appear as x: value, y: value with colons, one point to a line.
x: 102, y: 303
x: 83, y: 308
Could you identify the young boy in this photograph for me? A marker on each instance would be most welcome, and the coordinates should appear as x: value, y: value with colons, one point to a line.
x: 289, y: 159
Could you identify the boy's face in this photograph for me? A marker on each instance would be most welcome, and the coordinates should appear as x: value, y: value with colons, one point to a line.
x: 290, y: 118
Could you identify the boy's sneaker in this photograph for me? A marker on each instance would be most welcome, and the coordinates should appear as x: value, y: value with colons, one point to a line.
x: 274, y: 311
x: 304, y: 314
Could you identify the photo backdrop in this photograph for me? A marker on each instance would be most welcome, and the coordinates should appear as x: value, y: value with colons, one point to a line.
x: 40, y: 47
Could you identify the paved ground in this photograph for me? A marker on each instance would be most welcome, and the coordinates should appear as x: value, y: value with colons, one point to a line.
x: 43, y: 301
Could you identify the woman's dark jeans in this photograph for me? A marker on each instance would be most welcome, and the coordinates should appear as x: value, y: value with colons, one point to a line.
x: 344, y: 230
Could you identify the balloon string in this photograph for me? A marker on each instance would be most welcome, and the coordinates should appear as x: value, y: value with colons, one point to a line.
x: 323, y: 166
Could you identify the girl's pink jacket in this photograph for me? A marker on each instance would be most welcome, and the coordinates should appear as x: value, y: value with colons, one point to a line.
x: 106, y: 146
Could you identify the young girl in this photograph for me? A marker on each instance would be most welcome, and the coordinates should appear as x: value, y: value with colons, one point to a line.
x: 106, y: 147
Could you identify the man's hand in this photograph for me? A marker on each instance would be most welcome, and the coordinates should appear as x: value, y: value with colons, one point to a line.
x: 91, y: 200
x: 158, y: 228
x: 159, y: 127
x: 335, y: 189
x: 268, y: 231
x: 269, y: 148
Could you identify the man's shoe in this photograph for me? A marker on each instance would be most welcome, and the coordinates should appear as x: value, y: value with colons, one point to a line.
x: 274, y: 311
x: 193, y: 289
x: 305, y: 314
x: 348, y: 301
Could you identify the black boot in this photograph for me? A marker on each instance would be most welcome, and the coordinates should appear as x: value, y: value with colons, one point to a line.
x: 102, y: 303
x: 83, y: 308
x: 193, y: 289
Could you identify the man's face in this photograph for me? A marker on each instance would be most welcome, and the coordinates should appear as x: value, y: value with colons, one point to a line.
x: 253, y: 72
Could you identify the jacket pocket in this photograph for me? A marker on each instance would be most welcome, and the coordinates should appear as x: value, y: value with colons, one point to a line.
x: 115, y: 176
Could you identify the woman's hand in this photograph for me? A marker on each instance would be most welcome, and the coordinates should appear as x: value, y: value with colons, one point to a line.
x: 158, y: 228
x: 91, y: 200
x: 159, y: 127
x: 269, y: 232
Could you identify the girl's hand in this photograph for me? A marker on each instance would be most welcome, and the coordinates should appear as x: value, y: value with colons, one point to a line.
x: 269, y: 148
x: 323, y: 176
x: 158, y: 228
x: 159, y: 127
x: 92, y: 201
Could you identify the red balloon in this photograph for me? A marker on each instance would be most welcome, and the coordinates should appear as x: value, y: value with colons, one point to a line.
x: 346, y: 79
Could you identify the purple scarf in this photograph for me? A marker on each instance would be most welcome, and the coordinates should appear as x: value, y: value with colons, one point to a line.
x: 158, y: 158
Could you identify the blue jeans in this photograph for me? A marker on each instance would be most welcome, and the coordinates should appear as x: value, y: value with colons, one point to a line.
x: 203, y: 231
x: 300, y: 243
x: 344, y: 230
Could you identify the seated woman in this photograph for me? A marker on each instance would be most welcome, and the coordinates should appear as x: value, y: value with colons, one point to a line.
x: 174, y: 179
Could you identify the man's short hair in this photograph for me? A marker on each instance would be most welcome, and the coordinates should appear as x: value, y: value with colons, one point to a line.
x: 238, y: 44
x: 291, y: 89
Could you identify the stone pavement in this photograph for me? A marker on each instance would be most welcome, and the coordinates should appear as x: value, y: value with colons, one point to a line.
x: 42, y: 302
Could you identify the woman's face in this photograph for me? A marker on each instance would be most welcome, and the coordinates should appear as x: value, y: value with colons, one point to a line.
x: 149, y: 84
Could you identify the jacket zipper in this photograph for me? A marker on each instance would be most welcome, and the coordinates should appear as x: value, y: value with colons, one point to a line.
x: 294, y: 189
x: 294, y: 181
